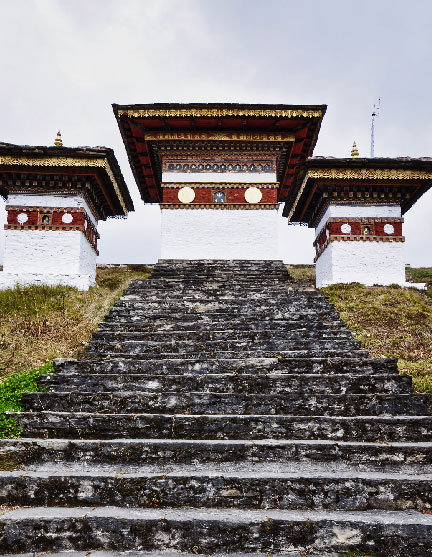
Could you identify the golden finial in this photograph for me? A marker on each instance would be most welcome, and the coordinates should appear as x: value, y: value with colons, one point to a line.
x: 58, y: 141
x: 354, y: 150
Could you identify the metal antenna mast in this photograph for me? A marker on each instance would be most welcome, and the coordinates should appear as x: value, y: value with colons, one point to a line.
x: 375, y: 114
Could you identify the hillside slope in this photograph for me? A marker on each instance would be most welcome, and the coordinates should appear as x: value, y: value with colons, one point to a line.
x: 389, y: 321
x: 40, y: 323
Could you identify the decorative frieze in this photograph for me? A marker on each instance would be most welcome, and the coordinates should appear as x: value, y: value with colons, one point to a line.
x: 220, y: 194
x: 227, y: 206
x: 227, y: 166
x: 374, y: 229
x: 51, y: 218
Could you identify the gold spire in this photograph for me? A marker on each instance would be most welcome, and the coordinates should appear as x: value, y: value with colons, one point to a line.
x: 354, y: 150
x: 58, y: 142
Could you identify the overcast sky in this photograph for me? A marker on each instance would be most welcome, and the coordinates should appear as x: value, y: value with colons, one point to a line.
x: 63, y: 62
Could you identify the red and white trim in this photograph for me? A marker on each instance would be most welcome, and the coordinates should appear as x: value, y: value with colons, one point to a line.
x: 388, y: 229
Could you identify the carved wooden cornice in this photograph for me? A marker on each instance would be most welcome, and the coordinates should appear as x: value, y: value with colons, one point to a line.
x: 220, y: 185
x: 66, y: 162
x: 218, y: 112
x: 368, y: 174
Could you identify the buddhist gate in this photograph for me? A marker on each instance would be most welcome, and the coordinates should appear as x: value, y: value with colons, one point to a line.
x: 220, y: 173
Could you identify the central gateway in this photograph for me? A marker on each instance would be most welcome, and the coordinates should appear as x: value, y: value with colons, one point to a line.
x: 218, y: 172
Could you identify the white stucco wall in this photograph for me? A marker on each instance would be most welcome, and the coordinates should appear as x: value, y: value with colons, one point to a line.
x: 219, y: 234
x: 52, y: 200
x: 368, y: 263
x: 230, y: 177
x: 359, y: 211
x: 48, y: 257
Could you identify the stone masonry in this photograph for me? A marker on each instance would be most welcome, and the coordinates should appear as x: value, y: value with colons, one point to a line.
x: 220, y: 409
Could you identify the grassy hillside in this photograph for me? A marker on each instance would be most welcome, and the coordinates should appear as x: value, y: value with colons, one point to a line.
x: 40, y: 323
x: 389, y: 321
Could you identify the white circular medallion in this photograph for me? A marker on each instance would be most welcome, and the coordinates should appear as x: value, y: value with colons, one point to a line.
x: 253, y: 195
x: 186, y: 195
x: 346, y: 228
x: 67, y: 218
x: 388, y: 228
x: 22, y: 218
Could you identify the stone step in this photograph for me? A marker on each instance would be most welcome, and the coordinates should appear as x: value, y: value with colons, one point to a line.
x: 211, y: 290
x: 86, y: 553
x: 81, y: 425
x: 203, y: 531
x: 218, y: 354
x: 241, y: 325
x: 206, y: 312
x: 224, y: 300
x: 252, y: 282
x: 298, y: 404
x: 334, y: 365
x: 220, y: 289
x: 231, y: 489
x: 299, y: 384
x: 185, y: 346
x: 220, y: 304
x: 269, y: 455
x: 299, y: 335
x: 221, y: 263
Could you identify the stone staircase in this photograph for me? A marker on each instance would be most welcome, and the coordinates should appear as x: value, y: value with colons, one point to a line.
x: 221, y: 409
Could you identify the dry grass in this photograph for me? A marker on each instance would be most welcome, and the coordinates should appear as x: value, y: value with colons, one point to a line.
x: 389, y: 321
x: 304, y: 274
x: 40, y: 323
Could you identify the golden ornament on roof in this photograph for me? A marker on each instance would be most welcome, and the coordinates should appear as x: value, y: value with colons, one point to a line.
x: 354, y: 150
x: 58, y: 142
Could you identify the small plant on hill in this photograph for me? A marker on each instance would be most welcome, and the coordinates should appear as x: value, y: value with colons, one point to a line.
x: 11, y: 391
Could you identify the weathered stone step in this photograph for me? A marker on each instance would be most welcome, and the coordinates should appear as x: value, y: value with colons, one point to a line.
x: 204, y: 312
x: 219, y: 354
x: 221, y: 263
x: 242, y: 325
x: 185, y: 346
x: 221, y: 335
x: 235, y: 291
x: 220, y: 305
x: 215, y: 530
x: 156, y: 455
x: 192, y: 322
x: 298, y: 404
x: 230, y: 383
x: 71, y: 425
x: 241, y: 276
x: 333, y: 365
x: 86, y: 553
x: 218, y: 289
x: 231, y: 489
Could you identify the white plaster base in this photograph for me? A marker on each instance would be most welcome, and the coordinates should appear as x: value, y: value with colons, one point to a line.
x: 48, y: 257
x: 10, y: 280
x: 368, y: 263
x: 219, y: 234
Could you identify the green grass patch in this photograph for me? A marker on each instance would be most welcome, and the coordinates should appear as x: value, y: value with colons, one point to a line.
x: 419, y: 274
x: 11, y: 391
